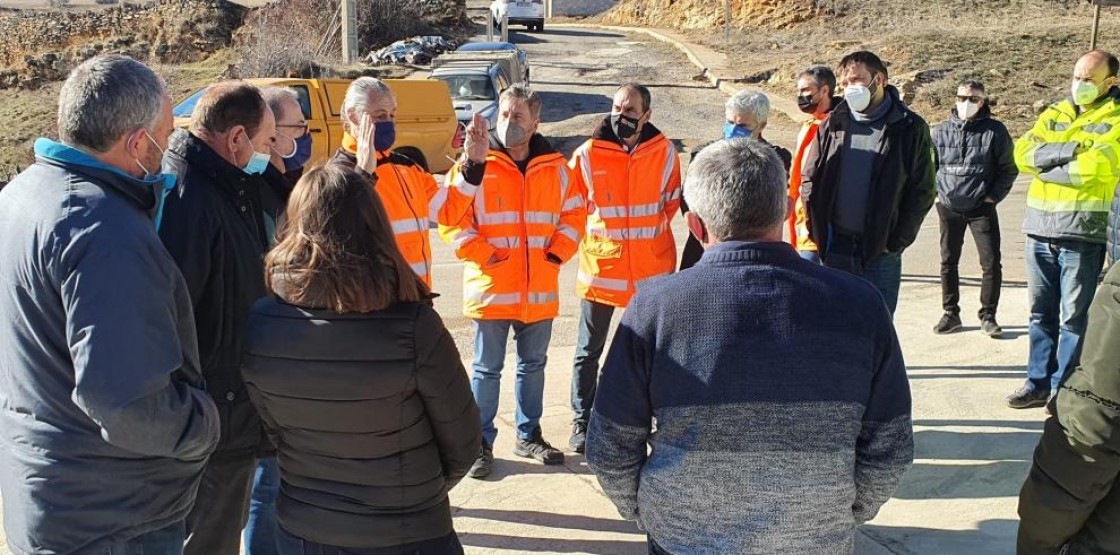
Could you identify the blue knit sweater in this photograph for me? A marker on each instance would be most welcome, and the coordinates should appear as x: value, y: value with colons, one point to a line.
x: 773, y: 399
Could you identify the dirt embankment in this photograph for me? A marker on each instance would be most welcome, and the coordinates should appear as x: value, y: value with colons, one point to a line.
x: 1023, y: 50
x: 39, y: 46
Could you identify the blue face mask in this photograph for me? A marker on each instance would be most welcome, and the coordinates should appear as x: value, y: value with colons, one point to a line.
x: 384, y: 135
x: 301, y: 156
x: 258, y: 162
x: 732, y: 131
x: 163, y: 182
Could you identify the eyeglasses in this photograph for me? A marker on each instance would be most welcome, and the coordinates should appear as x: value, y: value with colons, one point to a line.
x: 972, y: 99
x: 301, y: 129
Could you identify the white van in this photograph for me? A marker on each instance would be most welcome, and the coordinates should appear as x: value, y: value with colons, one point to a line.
x: 529, y: 13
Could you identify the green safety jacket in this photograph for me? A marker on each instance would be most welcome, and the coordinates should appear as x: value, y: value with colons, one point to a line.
x: 1074, y: 156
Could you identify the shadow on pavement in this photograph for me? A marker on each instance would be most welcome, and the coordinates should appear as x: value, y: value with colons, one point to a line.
x: 975, y: 445
x: 976, y: 375
x: 993, y: 423
x: 552, y: 545
x: 552, y: 520
x: 965, y: 281
x: 963, y: 481
x: 1015, y: 367
x: 505, y: 468
x: 579, y: 33
x: 992, y: 537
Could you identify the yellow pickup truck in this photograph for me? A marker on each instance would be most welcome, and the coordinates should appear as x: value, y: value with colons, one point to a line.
x: 427, y: 130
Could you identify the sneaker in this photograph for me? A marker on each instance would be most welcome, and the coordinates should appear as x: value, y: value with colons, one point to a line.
x: 949, y: 323
x: 990, y: 328
x: 1024, y: 398
x: 579, y: 437
x: 483, y: 463
x: 537, y: 448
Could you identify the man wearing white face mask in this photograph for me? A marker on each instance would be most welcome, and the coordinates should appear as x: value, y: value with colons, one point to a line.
x: 514, y: 213
x: 1073, y: 152
x: 975, y: 170
x: 868, y: 178
x: 214, y: 229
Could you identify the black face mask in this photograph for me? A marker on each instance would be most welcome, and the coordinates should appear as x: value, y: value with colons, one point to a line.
x: 624, y: 127
x: 806, y: 104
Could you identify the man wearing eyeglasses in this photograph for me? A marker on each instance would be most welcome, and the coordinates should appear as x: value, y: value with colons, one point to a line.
x: 974, y: 155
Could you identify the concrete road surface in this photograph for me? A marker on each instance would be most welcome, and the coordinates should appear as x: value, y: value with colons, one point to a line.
x: 972, y: 451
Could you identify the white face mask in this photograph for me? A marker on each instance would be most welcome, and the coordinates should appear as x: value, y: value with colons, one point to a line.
x: 1084, y: 93
x: 967, y: 110
x: 858, y: 97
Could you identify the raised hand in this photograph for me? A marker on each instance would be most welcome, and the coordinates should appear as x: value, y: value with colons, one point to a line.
x: 478, y: 139
x: 367, y: 154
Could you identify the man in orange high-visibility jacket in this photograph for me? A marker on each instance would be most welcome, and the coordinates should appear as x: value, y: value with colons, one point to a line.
x: 369, y: 115
x: 815, y: 86
x: 632, y: 174
x: 514, y: 213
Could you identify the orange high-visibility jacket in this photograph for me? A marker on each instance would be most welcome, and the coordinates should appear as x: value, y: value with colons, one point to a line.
x: 520, y: 218
x: 799, y: 221
x: 632, y: 198
x: 407, y: 191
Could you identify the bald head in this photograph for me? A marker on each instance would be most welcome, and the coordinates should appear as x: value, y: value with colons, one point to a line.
x: 1093, y: 76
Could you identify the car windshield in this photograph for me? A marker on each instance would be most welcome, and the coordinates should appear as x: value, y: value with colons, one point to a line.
x: 469, y: 87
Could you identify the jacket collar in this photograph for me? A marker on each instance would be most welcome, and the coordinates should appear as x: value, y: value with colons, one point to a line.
x: 984, y: 114
x: 141, y: 191
x: 841, y: 114
x: 604, y: 132
x: 538, y: 147
x: 1075, y: 111
x: 195, y: 152
x: 749, y: 251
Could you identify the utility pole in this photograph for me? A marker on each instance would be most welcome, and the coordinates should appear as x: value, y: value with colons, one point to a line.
x: 727, y: 20
x: 1096, y: 26
x: 349, y: 31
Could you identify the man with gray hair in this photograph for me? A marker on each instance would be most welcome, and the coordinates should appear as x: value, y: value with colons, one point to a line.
x: 106, y: 424
x: 750, y: 423
x: 746, y: 113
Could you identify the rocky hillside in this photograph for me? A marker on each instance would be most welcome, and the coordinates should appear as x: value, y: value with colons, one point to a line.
x: 38, y: 46
x: 706, y: 14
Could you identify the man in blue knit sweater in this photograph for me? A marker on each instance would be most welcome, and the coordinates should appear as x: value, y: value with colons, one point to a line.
x: 776, y: 387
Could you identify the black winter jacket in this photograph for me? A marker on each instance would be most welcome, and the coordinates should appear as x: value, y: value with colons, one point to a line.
x: 214, y: 228
x: 1072, y: 495
x: 975, y: 161
x: 372, y: 415
x: 902, y: 180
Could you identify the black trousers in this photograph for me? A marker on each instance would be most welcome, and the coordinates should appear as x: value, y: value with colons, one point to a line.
x: 222, y: 508
x: 984, y: 224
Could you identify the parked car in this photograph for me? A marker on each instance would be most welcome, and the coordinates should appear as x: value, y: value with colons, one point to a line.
x: 522, y: 56
x: 529, y: 13
x: 474, y: 87
x: 427, y: 128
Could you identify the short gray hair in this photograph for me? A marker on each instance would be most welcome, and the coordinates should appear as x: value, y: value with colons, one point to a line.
x: 357, y: 96
x: 738, y: 188
x: 275, y: 97
x: 747, y: 102
x: 525, y: 94
x: 106, y: 97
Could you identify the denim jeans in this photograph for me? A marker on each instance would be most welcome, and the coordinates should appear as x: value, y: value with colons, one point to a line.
x: 490, y: 357
x: 884, y: 271
x: 655, y: 549
x: 594, y: 325
x: 291, y: 545
x: 984, y: 224
x: 1061, y: 281
x: 165, y: 541
x: 260, y: 532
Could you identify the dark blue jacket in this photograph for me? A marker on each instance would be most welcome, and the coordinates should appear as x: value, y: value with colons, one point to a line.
x: 104, y: 425
x: 781, y: 402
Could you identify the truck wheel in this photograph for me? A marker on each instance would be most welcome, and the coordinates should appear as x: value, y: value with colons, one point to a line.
x: 415, y: 155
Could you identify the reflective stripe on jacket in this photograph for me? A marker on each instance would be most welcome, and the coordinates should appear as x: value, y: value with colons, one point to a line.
x: 515, y: 220
x: 407, y: 192
x: 1074, y: 156
x: 632, y: 198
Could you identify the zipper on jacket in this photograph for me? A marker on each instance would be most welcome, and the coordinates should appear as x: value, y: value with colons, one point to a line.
x: 416, y: 218
x: 525, y: 241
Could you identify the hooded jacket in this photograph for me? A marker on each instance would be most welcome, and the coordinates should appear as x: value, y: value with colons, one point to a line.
x: 632, y: 198
x: 902, y: 180
x: 104, y: 423
x: 514, y: 229
x: 975, y: 161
